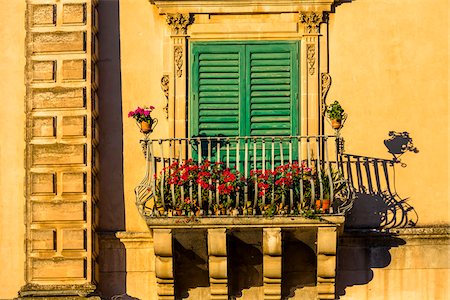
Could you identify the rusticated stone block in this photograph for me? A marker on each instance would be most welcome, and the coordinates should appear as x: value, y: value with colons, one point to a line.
x: 44, y: 15
x: 58, y: 154
x: 74, y: 183
x: 44, y: 71
x: 74, y: 239
x: 59, y: 268
x: 44, y: 127
x: 74, y: 69
x: 74, y: 126
x: 59, y: 41
x: 74, y: 14
x: 65, y: 211
x: 43, y: 183
x: 59, y: 98
x: 43, y: 239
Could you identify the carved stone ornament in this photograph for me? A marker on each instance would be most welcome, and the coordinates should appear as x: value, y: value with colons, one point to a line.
x: 165, y: 89
x: 325, y: 87
x: 311, y: 58
x: 179, y: 22
x: 312, y: 20
x: 178, y: 56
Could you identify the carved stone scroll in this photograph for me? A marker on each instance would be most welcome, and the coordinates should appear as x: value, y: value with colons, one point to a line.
x: 165, y: 89
x: 311, y: 57
x: 178, y: 56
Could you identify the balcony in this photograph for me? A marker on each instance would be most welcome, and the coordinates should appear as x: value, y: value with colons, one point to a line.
x: 209, y: 192
x: 243, y: 177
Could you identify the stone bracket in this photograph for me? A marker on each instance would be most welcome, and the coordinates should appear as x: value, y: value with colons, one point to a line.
x: 272, y: 260
x: 217, y: 256
x: 164, y: 263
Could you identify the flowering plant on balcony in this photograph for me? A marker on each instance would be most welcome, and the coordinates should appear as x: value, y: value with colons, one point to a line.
x: 209, y: 188
x: 274, y: 188
x: 143, y: 118
x: 198, y: 187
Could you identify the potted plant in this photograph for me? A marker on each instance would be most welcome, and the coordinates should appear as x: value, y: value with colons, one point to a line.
x: 338, y: 183
x: 335, y: 114
x: 143, y: 117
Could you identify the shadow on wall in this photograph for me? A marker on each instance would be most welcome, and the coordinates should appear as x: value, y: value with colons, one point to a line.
x: 377, y: 206
x: 112, y: 259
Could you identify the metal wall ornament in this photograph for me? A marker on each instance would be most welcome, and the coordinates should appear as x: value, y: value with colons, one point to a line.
x: 165, y: 89
x: 324, y: 88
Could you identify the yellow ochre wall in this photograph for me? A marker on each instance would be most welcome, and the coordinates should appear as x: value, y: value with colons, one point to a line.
x: 389, y: 61
x: 12, y: 145
x: 389, y: 66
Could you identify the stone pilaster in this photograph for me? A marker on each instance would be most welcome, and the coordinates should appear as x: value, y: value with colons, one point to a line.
x: 311, y: 20
x: 177, y: 95
x: 326, y: 262
x: 61, y: 155
x: 164, y: 263
x: 272, y: 241
x: 217, y: 254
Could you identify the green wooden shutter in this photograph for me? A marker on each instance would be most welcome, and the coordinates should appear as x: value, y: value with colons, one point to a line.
x: 217, y: 87
x: 242, y: 89
x: 272, y: 92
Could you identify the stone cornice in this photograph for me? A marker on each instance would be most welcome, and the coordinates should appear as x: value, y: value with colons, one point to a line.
x: 241, y: 6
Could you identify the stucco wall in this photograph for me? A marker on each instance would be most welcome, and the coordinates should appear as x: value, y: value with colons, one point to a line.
x: 141, y: 33
x: 389, y: 64
x: 12, y: 116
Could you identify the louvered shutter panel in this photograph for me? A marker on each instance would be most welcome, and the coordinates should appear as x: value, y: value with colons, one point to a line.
x: 217, y: 87
x: 273, y: 89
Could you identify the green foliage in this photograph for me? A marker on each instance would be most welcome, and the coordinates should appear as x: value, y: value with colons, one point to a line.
x: 335, y: 111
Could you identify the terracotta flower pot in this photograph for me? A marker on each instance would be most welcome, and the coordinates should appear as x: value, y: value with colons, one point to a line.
x: 318, y: 204
x: 336, y: 124
x: 323, y: 205
x: 326, y: 205
x: 146, y: 127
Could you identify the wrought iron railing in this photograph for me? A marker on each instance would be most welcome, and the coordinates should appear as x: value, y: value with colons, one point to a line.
x: 206, y: 176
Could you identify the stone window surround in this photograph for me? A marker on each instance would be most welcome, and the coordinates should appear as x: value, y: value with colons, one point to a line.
x: 197, y: 20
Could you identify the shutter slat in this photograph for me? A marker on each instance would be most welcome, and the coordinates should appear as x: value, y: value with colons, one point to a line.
x: 271, y: 62
x: 268, y: 87
x: 271, y: 81
x: 271, y: 100
x: 271, y: 69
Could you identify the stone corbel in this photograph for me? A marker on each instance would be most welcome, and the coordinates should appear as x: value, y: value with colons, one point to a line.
x: 272, y: 261
x: 217, y: 259
x: 164, y: 263
x: 326, y: 262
